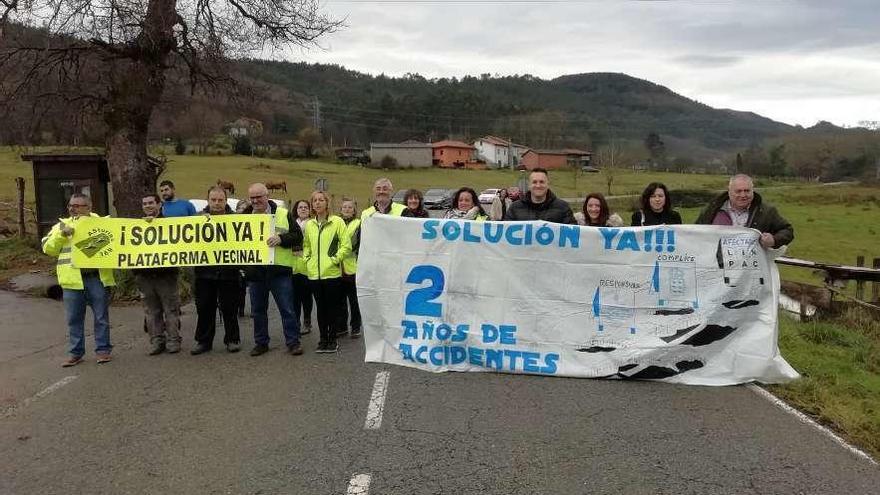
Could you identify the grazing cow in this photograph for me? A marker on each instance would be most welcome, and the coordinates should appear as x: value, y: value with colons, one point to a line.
x: 276, y: 184
x: 229, y: 186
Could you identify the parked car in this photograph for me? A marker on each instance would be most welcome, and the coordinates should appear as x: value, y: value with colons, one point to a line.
x: 488, y: 195
x: 438, y: 199
x: 399, y: 197
x: 590, y: 169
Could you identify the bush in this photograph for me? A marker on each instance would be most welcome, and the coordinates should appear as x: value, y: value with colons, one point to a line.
x: 242, y: 146
x: 691, y: 198
x: 179, y: 147
x: 388, y: 162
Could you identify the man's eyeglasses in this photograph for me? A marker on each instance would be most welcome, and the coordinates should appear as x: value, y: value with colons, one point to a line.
x: 255, y: 198
x: 77, y: 206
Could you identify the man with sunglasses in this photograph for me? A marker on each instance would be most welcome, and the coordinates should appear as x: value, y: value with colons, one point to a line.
x: 276, y: 279
x: 82, y: 287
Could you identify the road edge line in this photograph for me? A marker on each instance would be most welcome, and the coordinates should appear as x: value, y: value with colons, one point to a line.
x: 803, y: 418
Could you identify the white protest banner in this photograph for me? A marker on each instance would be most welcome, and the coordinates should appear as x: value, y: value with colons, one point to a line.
x: 686, y: 303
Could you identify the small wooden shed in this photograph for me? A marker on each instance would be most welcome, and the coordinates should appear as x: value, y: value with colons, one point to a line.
x: 58, y: 176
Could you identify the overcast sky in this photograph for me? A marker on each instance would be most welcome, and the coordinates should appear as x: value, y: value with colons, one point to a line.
x: 793, y: 61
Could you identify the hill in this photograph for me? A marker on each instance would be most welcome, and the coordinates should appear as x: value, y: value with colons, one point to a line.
x: 571, y: 110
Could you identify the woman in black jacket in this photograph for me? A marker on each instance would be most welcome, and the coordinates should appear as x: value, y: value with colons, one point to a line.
x: 216, y: 284
x: 655, y: 207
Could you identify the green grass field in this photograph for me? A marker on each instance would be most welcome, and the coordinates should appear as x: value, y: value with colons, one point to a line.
x: 832, y: 223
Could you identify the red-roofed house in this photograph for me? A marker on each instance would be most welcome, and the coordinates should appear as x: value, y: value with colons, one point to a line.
x: 452, y: 154
x: 550, y: 159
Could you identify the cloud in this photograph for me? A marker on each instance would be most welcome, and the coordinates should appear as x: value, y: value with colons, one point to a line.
x: 698, y: 61
x: 772, y: 58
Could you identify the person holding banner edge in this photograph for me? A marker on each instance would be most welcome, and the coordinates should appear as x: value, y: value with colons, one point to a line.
x: 160, y: 294
x: 276, y: 279
x: 86, y: 287
x: 741, y: 206
x: 540, y: 203
x: 325, y: 245
x: 217, y: 285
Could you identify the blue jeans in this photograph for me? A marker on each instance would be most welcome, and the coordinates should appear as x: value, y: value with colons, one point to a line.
x: 94, y: 294
x: 281, y: 287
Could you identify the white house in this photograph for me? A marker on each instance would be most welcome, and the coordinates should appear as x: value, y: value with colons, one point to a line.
x: 495, y: 150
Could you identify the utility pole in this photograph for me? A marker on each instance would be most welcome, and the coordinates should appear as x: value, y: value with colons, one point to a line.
x: 317, y: 115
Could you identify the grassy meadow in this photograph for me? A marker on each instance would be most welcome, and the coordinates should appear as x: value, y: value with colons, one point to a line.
x: 832, y: 223
x: 839, y: 359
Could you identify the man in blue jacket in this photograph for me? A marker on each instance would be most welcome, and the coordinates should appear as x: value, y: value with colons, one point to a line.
x: 172, y: 207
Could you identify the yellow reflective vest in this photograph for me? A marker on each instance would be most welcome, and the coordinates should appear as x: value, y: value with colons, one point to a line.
x: 299, y: 262
x: 55, y: 244
x: 396, y: 210
x: 350, y: 262
x: 283, y: 256
x: 325, y: 245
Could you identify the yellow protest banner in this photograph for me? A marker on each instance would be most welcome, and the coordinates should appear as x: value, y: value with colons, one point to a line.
x: 164, y: 242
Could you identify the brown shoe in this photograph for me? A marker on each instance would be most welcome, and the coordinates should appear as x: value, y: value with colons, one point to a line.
x: 71, y: 361
x: 104, y: 358
x: 295, y: 350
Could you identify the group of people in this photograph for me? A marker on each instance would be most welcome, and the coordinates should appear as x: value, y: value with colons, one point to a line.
x: 316, y: 255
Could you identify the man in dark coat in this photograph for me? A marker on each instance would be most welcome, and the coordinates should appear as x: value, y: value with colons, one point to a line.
x: 741, y: 206
x: 540, y: 203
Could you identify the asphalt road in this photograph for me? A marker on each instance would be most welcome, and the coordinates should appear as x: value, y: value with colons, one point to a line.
x: 222, y: 423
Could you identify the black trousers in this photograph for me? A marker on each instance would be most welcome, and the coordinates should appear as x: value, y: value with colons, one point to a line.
x: 330, y: 299
x: 208, y: 294
x: 302, y: 298
x: 350, y: 303
x: 242, y: 295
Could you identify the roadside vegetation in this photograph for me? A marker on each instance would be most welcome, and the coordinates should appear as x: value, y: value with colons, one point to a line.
x: 839, y: 361
x: 839, y: 358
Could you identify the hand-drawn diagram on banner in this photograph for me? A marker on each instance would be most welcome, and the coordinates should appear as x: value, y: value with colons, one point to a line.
x: 690, y: 304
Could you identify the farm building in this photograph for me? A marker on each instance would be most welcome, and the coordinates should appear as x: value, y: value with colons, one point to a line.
x: 407, y: 154
x: 550, y: 159
x: 451, y: 154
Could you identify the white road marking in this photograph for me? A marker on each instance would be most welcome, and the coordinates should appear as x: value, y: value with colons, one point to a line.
x: 809, y: 421
x: 377, y: 401
x: 359, y: 484
x: 39, y: 395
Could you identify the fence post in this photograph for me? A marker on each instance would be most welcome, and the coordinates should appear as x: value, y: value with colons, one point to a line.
x: 860, y: 284
x: 875, y: 289
x: 803, y: 305
x: 19, y: 182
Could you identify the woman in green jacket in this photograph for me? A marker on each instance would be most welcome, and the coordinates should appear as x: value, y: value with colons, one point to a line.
x: 325, y: 245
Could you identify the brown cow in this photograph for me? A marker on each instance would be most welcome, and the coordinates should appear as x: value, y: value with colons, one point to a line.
x: 229, y: 186
x: 276, y: 184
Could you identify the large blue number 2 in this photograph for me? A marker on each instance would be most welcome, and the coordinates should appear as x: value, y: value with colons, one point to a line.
x: 418, y: 301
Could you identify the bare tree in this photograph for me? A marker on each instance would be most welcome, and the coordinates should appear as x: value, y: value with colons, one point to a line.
x: 611, y: 158
x: 114, y: 57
